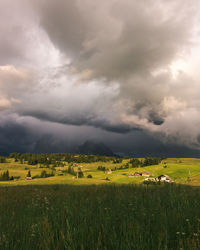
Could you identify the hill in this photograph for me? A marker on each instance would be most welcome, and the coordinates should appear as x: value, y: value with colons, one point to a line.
x: 94, y: 148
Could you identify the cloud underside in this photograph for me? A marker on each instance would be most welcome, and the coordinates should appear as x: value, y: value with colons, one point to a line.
x: 118, y: 66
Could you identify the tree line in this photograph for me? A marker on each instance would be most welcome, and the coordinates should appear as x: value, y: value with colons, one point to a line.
x: 57, y: 159
x: 135, y: 163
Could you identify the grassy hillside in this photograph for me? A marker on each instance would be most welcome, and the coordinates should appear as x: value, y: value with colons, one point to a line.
x: 100, y: 217
x: 93, y: 213
x: 178, y: 169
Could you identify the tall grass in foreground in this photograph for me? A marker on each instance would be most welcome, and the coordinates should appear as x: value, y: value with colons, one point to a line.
x: 100, y: 217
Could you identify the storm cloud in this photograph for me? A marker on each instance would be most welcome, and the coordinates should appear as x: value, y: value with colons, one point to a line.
x: 115, y: 67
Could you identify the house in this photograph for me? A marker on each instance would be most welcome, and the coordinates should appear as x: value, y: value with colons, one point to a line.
x: 109, y: 171
x: 150, y: 179
x: 28, y: 178
x: 146, y: 174
x: 137, y: 174
x: 161, y: 178
x: 164, y: 178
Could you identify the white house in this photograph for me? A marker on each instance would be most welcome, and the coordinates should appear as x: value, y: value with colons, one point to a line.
x: 164, y: 178
x: 161, y: 178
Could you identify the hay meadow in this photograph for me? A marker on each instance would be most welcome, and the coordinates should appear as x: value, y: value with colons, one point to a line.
x: 120, y: 212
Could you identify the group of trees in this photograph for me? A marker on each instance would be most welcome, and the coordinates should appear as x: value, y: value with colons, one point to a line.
x: 43, y: 174
x: 117, y: 160
x: 104, y: 169
x: 71, y: 171
x: 125, y: 166
x: 58, y: 159
x: 151, y: 161
x: 2, y: 159
x: 101, y: 168
x: 135, y: 163
x: 148, y: 161
x: 79, y: 173
x: 5, y: 176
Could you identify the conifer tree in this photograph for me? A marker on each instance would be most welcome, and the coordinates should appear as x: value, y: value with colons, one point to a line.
x: 29, y: 174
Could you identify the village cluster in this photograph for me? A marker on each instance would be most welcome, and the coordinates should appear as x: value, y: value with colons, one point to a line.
x: 160, y: 178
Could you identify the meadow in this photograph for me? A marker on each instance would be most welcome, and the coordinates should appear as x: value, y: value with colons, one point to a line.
x: 166, y: 216
x: 62, y: 212
x: 182, y: 171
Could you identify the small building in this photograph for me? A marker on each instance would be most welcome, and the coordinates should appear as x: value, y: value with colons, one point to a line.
x: 137, y: 174
x: 109, y: 171
x: 150, y: 179
x: 164, y: 178
x: 146, y: 174
x: 161, y: 178
x: 28, y: 178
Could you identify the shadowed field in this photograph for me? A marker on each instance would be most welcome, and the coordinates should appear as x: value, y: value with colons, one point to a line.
x: 100, y: 217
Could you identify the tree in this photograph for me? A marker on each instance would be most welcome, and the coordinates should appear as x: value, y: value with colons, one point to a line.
x: 71, y: 171
x: 80, y: 173
x: 29, y: 174
x: 5, y: 176
x: 43, y: 174
x: 2, y: 159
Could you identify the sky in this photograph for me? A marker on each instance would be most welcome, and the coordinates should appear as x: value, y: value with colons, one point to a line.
x: 123, y: 72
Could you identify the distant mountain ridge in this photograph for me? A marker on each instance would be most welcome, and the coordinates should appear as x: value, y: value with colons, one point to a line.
x: 94, y: 148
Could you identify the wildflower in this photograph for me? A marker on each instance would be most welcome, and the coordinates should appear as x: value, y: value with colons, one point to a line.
x: 177, y: 232
x: 34, y: 229
x: 195, y: 234
x: 46, y: 200
x: 187, y: 220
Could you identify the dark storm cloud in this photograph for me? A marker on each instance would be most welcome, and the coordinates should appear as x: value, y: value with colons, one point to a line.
x: 15, y: 138
x: 117, y: 39
x: 23, y: 135
x: 84, y: 120
x: 111, y: 66
x: 129, y: 42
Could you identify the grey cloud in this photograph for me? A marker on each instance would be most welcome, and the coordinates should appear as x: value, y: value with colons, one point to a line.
x: 130, y: 42
x: 120, y: 38
x: 64, y: 23
x: 14, y: 28
x: 81, y: 120
x: 15, y: 138
x: 24, y: 134
x: 103, y: 64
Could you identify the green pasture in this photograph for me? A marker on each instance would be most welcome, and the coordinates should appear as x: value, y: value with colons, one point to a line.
x: 178, y: 169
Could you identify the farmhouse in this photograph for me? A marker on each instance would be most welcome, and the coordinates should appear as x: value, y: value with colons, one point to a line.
x: 28, y: 178
x: 146, y: 174
x: 164, y: 178
x: 161, y: 178
x: 150, y: 179
x: 109, y: 171
x: 137, y: 174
